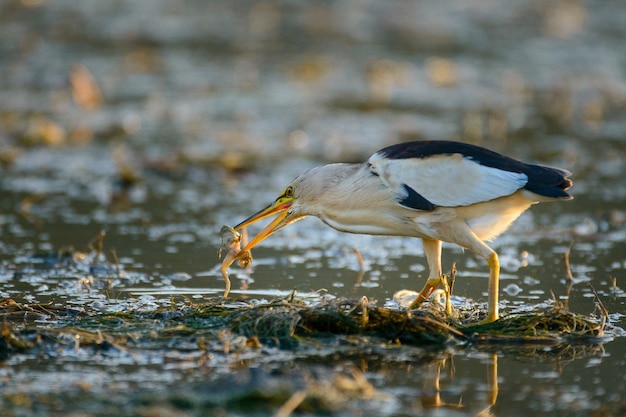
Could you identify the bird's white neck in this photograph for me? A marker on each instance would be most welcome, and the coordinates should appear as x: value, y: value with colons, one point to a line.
x: 368, y: 211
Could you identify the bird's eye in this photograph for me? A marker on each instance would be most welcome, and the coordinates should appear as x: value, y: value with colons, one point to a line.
x: 289, y: 191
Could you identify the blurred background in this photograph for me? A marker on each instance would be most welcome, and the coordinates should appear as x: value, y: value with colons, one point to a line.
x: 158, y: 122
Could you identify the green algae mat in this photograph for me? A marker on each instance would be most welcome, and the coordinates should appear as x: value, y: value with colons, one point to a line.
x: 224, y: 325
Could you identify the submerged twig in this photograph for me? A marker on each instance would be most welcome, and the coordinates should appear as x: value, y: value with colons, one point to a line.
x: 603, y: 310
x: 568, y: 269
x: 448, y: 284
x: 569, y: 278
x: 361, y: 272
x: 116, y: 261
x: 291, y: 404
x: 359, y: 259
x: 98, y: 240
x: 452, y: 277
x: 26, y: 206
x: 364, y: 314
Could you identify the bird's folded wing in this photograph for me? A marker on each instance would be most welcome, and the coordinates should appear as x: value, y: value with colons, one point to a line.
x: 447, y: 180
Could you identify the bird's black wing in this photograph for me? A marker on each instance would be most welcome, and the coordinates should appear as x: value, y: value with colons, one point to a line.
x: 426, y: 175
x: 542, y: 180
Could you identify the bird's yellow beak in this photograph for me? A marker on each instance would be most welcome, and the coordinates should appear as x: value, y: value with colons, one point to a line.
x: 281, y: 205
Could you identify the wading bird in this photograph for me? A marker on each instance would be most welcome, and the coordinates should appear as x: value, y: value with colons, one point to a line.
x: 434, y: 190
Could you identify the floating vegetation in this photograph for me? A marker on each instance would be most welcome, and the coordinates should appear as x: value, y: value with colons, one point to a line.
x: 227, y: 326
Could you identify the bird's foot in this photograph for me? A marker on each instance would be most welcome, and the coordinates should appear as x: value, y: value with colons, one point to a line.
x: 431, y: 285
x: 446, y: 280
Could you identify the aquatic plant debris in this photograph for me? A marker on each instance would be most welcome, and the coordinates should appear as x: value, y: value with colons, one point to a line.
x: 289, y: 324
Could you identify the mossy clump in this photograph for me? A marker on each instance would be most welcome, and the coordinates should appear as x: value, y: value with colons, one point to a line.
x: 284, y: 322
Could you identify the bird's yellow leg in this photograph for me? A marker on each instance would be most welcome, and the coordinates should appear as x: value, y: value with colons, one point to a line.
x: 493, y: 288
x: 464, y: 237
x: 432, y: 250
x: 494, y: 280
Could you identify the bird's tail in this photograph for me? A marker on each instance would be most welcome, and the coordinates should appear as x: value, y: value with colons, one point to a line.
x: 548, y: 182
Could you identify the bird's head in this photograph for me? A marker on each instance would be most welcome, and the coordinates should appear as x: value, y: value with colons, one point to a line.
x: 304, y: 196
x: 286, y: 206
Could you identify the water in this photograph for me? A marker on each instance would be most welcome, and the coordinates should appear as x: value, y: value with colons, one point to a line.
x: 203, y: 112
